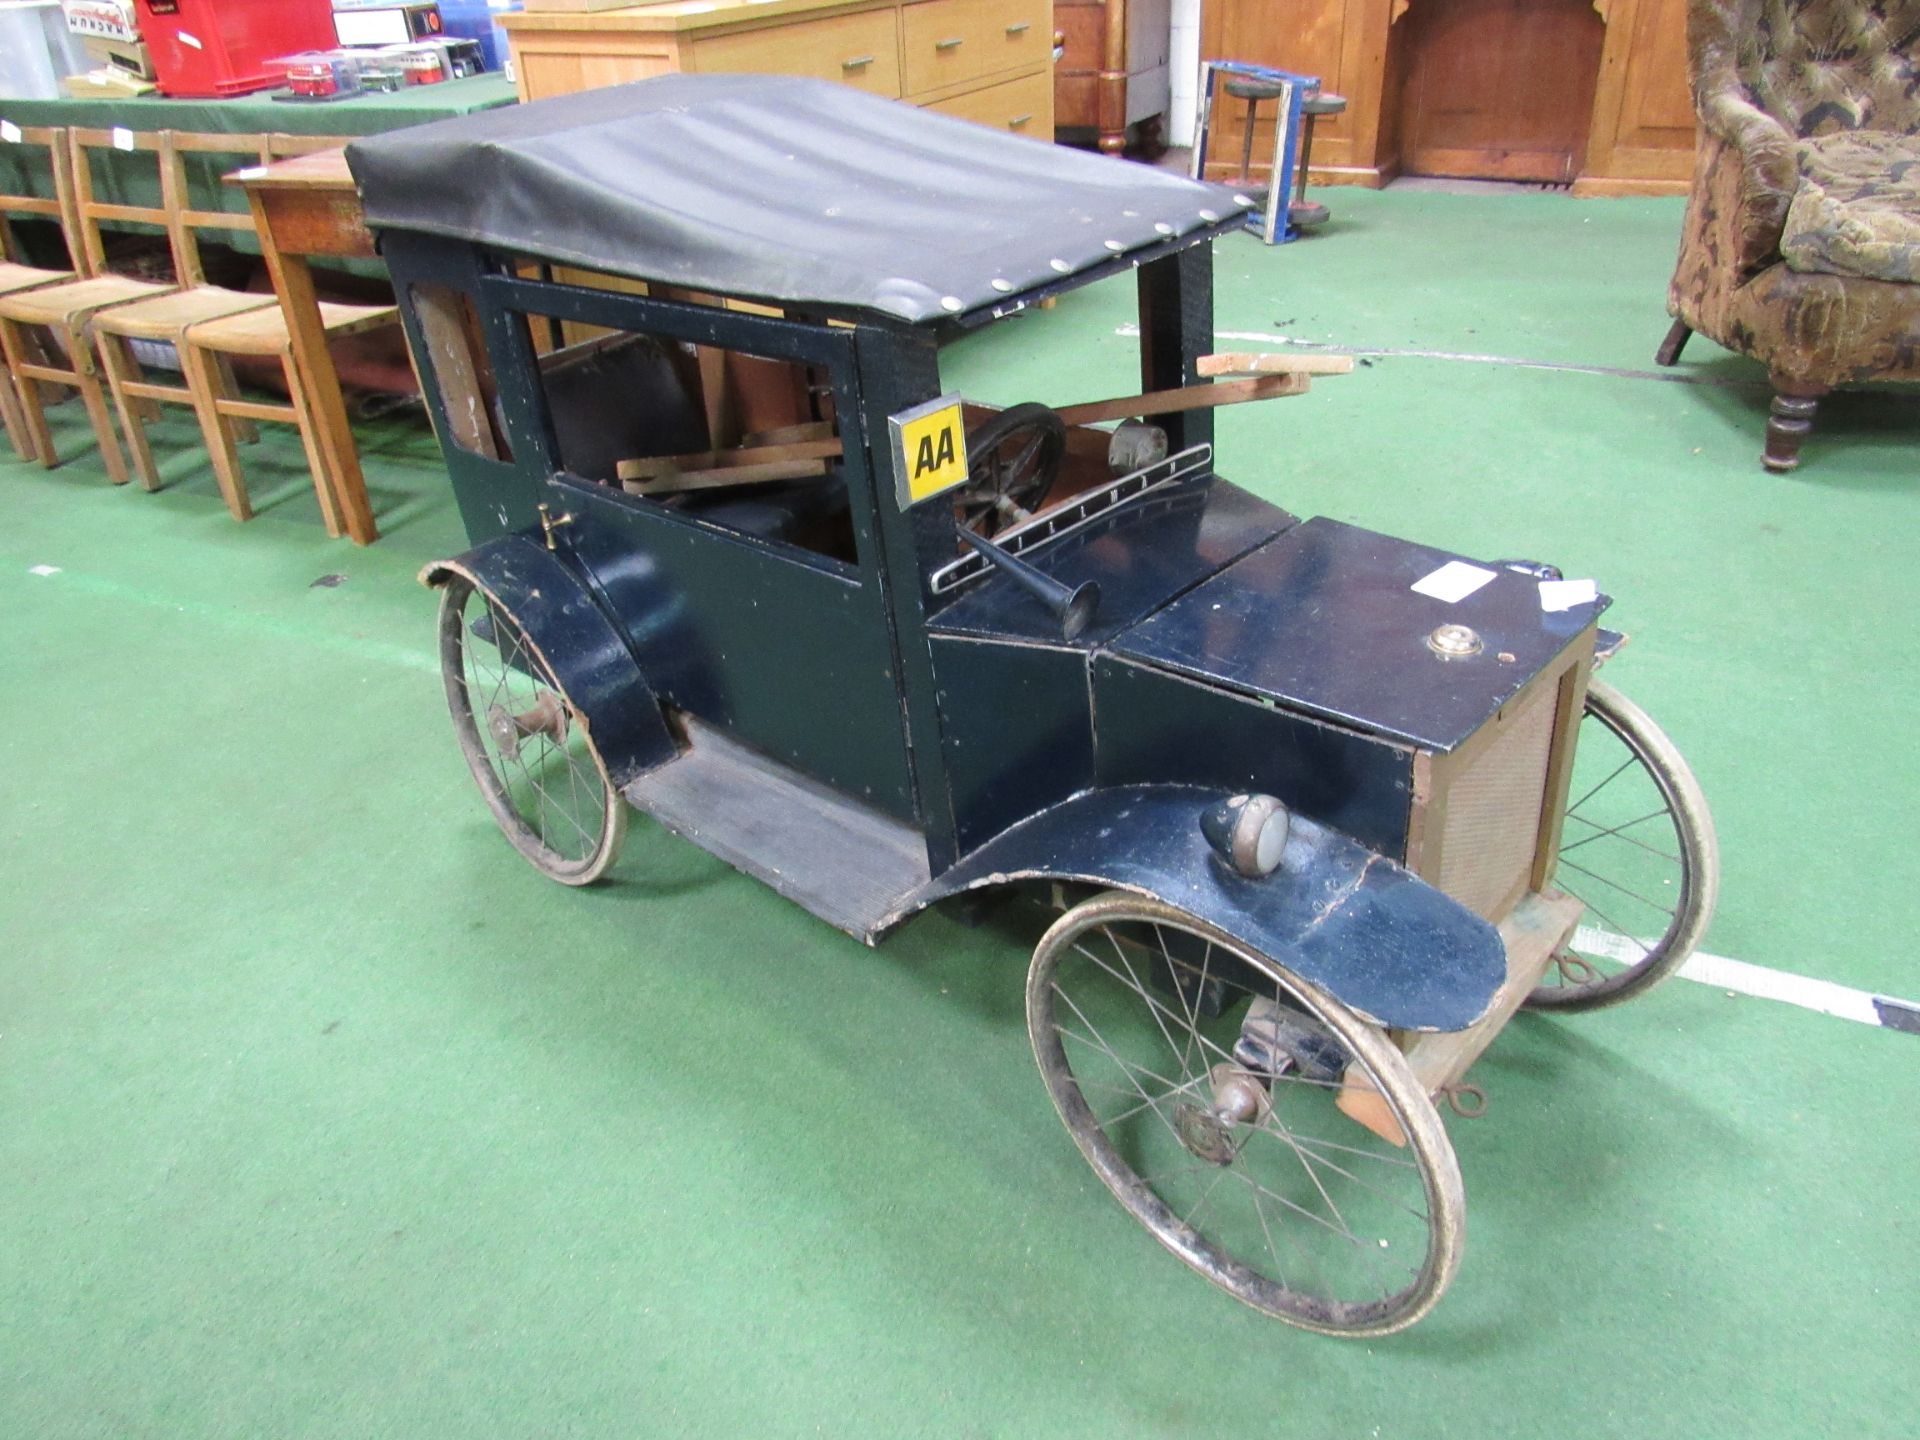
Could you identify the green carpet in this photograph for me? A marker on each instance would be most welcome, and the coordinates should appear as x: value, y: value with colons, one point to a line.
x: 322, y: 1115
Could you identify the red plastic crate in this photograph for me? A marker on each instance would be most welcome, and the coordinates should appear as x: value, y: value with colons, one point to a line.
x: 205, y: 49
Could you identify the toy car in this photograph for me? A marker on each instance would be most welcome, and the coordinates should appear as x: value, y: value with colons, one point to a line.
x: 1323, y: 807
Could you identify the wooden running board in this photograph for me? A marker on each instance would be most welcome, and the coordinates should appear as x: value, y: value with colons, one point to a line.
x: 843, y: 861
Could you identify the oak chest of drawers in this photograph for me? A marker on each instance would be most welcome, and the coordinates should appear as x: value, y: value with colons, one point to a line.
x: 989, y: 61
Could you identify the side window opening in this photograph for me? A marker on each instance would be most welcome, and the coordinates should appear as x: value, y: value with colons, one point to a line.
x: 462, y: 369
x: 742, y: 441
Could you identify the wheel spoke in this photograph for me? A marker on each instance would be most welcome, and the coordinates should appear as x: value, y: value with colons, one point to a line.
x: 1205, y: 1196
x: 547, y: 793
x: 1618, y: 771
x: 1668, y: 911
x: 1307, y: 1149
x: 1190, y: 1020
x: 1615, y: 830
x: 1325, y: 1226
x: 1120, y: 954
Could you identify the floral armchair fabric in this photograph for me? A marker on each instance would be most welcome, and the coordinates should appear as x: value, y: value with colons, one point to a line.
x: 1802, y: 239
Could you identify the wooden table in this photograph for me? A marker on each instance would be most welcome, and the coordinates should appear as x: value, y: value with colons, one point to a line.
x: 307, y: 206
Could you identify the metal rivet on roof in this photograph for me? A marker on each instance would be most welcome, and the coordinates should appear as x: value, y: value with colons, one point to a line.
x: 1060, y: 266
x: 1209, y: 216
x: 1163, y: 227
x: 1003, y: 286
x: 1115, y: 246
x: 952, y: 304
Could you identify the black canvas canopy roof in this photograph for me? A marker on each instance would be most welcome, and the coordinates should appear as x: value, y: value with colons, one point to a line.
x: 784, y: 189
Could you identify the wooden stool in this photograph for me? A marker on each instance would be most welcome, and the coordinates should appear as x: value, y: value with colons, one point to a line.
x: 1253, y: 89
x: 1302, y: 211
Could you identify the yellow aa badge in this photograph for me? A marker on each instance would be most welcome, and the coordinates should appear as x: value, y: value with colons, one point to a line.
x: 929, y: 449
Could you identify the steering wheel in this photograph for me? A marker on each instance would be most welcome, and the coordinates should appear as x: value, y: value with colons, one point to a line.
x: 1012, y: 460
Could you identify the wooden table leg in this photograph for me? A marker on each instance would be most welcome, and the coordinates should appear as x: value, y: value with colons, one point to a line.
x: 293, y: 283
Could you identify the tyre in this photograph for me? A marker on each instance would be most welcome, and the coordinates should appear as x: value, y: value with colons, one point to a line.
x: 1236, y: 1156
x: 525, y: 741
x: 1638, y: 849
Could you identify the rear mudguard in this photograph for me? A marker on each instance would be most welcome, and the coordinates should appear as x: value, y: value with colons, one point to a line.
x: 579, y: 644
x: 1367, y: 931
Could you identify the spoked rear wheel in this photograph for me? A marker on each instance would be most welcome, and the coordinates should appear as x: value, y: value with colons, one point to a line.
x: 524, y: 741
x: 1220, y: 1132
x: 1638, y: 848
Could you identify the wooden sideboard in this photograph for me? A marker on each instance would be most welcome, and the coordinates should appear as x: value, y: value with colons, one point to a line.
x: 989, y: 61
x: 1634, y: 136
x: 1113, y: 72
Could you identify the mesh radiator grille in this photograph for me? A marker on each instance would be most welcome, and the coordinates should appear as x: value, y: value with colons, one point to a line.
x: 1493, y: 805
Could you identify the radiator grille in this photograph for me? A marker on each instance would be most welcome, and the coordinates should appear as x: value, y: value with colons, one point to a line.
x: 1493, y: 805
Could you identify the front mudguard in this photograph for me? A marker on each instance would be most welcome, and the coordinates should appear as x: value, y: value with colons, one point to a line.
x: 1343, y: 918
x: 579, y: 645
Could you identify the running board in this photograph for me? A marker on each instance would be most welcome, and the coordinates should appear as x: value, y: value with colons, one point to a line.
x: 843, y: 861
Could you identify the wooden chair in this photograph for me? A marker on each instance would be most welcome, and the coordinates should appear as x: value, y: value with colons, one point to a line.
x: 210, y: 345
x: 166, y: 318
x: 66, y: 312
x: 54, y: 202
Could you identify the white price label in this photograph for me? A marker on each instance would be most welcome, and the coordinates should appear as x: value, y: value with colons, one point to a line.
x: 1565, y: 594
x: 9, y: 132
x: 122, y: 138
x: 1452, y: 582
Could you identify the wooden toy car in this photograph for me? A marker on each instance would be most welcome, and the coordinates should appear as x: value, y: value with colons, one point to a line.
x: 1324, y: 807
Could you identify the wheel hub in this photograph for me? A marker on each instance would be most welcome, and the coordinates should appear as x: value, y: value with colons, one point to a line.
x: 1208, y: 1135
x: 1207, y: 1131
x: 547, y: 717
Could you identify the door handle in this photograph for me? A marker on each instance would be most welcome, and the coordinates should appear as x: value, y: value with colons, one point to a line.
x: 952, y: 44
x: 857, y: 62
x: 1021, y: 28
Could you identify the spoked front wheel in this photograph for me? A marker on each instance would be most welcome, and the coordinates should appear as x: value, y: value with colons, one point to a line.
x: 1201, y: 1081
x: 524, y: 741
x: 1638, y: 849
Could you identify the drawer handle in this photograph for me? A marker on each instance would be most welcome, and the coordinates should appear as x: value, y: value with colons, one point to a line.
x: 953, y: 44
x: 1021, y: 28
x: 1017, y: 121
x: 857, y: 62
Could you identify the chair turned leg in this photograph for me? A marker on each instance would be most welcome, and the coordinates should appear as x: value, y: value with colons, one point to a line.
x: 1789, y: 419
x: 1676, y: 341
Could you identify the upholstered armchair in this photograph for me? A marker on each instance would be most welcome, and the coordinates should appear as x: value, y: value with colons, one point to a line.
x: 1802, y: 239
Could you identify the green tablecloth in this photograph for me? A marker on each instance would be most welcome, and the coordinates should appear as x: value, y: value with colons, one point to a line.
x: 132, y: 179
x: 362, y: 115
